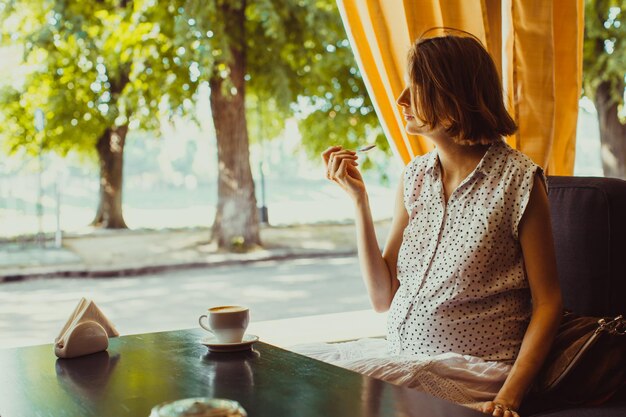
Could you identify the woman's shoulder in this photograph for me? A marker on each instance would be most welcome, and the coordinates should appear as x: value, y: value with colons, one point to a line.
x: 421, y: 162
x: 516, y: 162
x: 519, y: 170
x: 416, y: 169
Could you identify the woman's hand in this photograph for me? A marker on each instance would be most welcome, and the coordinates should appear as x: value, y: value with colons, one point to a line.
x: 498, y: 408
x: 341, y: 168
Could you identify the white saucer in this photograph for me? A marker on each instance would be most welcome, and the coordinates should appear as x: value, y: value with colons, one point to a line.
x: 214, y: 346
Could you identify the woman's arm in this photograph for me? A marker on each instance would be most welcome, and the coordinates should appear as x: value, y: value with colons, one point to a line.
x: 535, y: 234
x: 378, y: 269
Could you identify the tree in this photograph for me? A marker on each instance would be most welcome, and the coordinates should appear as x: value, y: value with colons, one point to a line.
x: 95, y: 69
x: 100, y: 69
x: 294, y: 56
x: 236, y: 223
x: 604, y: 78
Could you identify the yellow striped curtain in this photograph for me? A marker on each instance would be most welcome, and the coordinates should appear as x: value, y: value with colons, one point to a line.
x: 540, y: 59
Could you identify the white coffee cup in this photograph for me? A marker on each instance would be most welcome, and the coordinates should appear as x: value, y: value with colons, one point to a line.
x: 227, y: 323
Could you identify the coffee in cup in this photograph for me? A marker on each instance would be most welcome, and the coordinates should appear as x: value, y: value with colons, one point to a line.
x: 227, y: 323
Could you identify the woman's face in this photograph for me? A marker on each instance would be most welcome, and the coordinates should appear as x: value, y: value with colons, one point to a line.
x: 413, y: 125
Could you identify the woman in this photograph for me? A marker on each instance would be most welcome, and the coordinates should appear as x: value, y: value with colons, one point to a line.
x: 468, y: 273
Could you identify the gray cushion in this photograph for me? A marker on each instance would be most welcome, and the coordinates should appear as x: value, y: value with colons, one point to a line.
x: 589, y: 228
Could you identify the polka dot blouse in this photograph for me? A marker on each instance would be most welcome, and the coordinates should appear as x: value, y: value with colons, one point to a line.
x: 463, y: 286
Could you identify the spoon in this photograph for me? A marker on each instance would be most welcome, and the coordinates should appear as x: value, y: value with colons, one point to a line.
x: 365, y: 148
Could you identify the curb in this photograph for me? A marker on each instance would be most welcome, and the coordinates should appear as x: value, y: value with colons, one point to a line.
x: 127, y: 271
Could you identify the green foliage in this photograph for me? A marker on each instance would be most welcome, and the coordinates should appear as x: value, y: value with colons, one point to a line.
x: 90, y: 66
x: 604, y: 51
x: 299, y: 62
x: 334, y: 107
x: 94, y: 65
x: 266, y: 120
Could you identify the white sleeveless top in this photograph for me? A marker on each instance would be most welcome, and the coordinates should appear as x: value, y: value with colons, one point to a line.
x: 463, y: 286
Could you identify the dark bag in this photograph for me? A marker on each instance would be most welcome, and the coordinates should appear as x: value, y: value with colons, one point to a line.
x: 587, y: 362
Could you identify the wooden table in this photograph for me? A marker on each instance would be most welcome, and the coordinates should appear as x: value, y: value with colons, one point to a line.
x: 141, y: 371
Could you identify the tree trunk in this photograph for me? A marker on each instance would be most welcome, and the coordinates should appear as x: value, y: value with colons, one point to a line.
x: 236, y: 225
x: 110, y: 148
x: 612, y: 132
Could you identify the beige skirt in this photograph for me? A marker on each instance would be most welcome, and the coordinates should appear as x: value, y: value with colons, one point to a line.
x: 462, y: 379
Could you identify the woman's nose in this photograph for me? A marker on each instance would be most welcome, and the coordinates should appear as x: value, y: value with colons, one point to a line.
x: 403, y: 98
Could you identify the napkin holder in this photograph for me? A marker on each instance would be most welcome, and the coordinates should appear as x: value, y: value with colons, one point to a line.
x: 87, y: 331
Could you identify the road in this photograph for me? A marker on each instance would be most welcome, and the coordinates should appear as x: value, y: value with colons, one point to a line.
x: 34, y: 311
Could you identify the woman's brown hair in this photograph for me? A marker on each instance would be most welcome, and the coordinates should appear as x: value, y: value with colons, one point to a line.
x: 455, y: 84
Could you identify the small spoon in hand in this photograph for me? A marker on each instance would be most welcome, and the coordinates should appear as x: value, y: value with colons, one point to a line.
x: 365, y: 148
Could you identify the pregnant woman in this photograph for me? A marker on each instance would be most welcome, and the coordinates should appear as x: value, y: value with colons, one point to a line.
x: 468, y: 273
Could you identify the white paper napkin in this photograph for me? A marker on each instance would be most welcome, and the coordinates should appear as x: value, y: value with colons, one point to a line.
x: 86, y: 331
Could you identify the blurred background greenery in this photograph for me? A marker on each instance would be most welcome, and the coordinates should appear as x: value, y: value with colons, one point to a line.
x: 155, y: 114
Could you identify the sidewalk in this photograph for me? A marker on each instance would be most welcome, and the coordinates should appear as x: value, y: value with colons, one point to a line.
x: 128, y: 252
